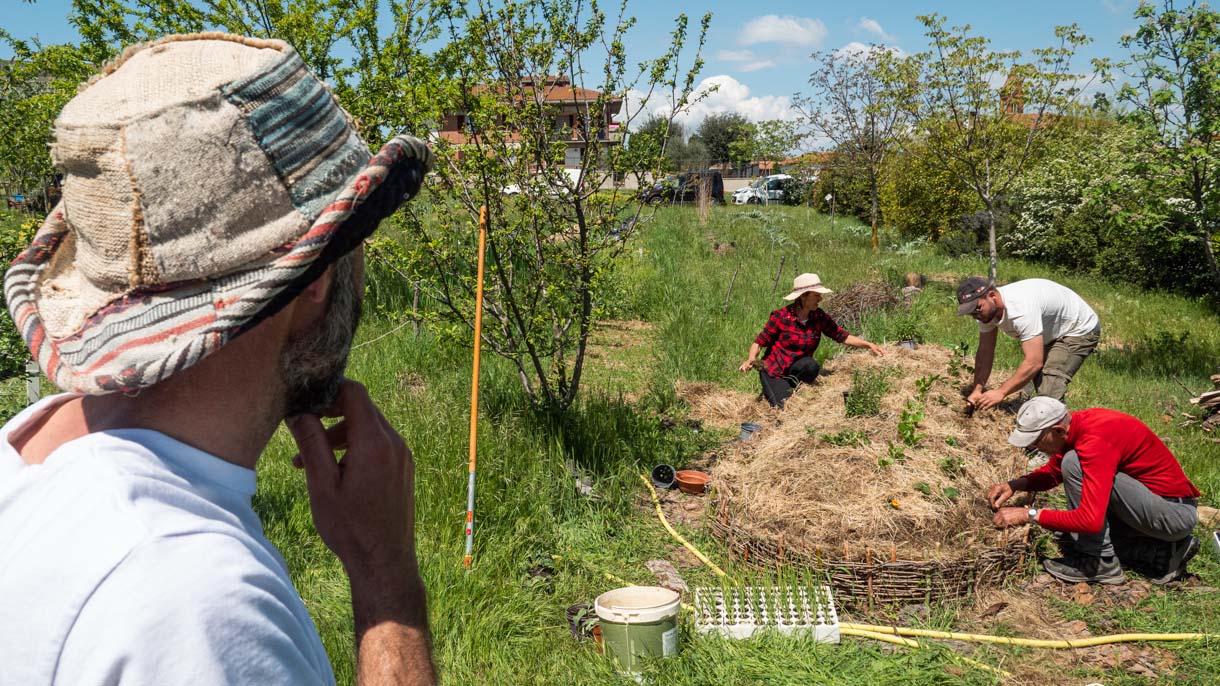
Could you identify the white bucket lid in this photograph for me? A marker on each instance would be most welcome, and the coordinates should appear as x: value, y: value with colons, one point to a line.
x: 637, y: 604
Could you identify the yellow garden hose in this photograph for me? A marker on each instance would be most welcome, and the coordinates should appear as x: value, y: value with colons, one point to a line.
x: 661, y: 514
x: 1028, y: 642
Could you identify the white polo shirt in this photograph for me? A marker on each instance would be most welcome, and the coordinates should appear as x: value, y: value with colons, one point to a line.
x: 128, y: 557
x: 1038, y: 307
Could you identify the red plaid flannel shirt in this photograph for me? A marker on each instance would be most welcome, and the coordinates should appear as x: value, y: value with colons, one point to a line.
x: 789, y: 339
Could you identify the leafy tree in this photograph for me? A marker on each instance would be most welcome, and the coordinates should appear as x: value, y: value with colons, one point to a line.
x: 717, y: 133
x: 664, y: 138
x: 983, y: 136
x: 771, y: 140
x: 852, y: 107
x: 34, y: 85
x: 554, y: 242
x: 1174, y: 72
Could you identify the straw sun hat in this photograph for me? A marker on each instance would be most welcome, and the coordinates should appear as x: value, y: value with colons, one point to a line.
x: 208, y: 179
x: 805, y: 283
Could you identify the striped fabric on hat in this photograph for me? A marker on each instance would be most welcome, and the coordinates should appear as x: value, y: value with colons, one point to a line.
x: 305, y: 134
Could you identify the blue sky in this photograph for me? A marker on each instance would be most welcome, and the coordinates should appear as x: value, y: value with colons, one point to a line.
x: 759, y: 61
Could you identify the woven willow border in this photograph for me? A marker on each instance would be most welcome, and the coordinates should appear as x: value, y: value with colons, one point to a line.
x: 867, y: 576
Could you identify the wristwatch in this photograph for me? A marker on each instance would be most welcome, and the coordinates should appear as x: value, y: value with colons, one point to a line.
x: 1033, y: 515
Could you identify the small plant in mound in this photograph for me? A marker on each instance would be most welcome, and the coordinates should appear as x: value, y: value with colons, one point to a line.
x: 958, y: 363
x: 951, y: 441
x: 953, y: 467
x: 847, y: 438
x: 908, y: 423
x: 894, y: 454
x: 949, y: 492
x: 867, y: 387
x: 924, y: 384
x: 922, y: 487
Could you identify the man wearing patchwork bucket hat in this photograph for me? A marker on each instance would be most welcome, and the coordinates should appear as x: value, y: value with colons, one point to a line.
x: 790, y: 337
x: 1129, y: 502
x: 200, y: 282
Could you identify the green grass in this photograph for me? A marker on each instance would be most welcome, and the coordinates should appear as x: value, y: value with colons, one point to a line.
x: 492, y: 626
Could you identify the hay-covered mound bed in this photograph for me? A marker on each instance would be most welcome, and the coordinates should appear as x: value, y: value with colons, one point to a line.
x: 886, y: 519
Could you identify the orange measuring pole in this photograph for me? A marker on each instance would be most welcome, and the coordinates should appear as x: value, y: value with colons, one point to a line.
x: 474, y: 387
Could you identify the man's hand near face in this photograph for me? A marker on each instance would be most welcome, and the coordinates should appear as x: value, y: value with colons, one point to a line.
x: 363, y: 506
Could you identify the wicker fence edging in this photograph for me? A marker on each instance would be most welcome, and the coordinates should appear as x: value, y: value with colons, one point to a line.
x: 875, y: 576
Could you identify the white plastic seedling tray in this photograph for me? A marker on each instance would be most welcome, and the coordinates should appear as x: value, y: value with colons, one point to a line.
x: 740, y: 612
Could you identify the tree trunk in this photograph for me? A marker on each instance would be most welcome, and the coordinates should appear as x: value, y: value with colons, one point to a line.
x: 991, y: 270
x: 1211, y: 256
x: 873, y: 211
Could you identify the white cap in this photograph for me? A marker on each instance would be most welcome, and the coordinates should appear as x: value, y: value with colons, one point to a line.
x: 1035, y: 416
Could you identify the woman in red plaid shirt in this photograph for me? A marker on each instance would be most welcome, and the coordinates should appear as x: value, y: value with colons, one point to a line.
x: 792, y: 334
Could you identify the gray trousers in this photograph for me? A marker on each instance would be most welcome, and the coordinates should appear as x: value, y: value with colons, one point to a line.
x: 1134, y: 512
x: 1061, y: 359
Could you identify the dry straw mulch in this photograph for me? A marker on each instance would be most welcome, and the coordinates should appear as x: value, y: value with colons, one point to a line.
x: 789, y: 493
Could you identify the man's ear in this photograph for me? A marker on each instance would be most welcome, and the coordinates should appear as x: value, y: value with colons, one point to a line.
x: 318, y: 292
x: 308, y: 308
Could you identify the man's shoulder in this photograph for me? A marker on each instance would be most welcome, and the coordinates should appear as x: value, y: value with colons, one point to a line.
x: 208, y: 600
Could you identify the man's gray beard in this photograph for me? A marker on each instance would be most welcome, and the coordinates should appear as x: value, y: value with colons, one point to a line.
x: 312, y: 362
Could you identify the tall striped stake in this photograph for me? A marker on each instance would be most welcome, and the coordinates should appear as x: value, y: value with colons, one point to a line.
x: 474, y: 387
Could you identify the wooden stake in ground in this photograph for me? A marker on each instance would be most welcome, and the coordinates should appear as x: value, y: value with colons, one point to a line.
x: 474, y: 387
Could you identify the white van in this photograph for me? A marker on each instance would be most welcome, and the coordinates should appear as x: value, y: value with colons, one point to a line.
x: 768, y: 189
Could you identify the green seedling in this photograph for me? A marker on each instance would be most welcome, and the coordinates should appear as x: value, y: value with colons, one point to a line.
x: 894, y: 454
x: 922, y: 487
x: 951, y: 441
x: 953, y: 467
x: 949, y: 492
x: 924, y: 384
x: 908, y: 424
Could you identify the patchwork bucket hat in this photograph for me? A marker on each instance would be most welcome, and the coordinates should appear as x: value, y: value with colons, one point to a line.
x: 208, y: 179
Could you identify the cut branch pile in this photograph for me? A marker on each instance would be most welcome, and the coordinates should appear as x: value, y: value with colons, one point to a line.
x: 849, y: 305
x: 1209, y: 403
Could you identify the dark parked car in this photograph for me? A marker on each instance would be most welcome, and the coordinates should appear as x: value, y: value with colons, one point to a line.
x: 684, y: 187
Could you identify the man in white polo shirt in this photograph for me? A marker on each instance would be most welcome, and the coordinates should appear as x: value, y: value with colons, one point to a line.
x: 1056, y: 328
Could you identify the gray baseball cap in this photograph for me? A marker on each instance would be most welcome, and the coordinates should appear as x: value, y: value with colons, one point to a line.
x: 1035, y: 416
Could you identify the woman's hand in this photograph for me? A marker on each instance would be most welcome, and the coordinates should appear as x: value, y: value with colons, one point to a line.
x: 745, y: 366
x: 875, y: 349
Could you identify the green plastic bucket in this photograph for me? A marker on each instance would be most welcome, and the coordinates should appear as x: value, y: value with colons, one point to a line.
x: 638, y: 623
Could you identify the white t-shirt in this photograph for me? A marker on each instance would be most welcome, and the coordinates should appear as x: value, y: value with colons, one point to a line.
x: 129, y: 557
x: 1038, y: 307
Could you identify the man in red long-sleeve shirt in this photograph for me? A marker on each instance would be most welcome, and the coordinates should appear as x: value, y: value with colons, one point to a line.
x: 1124, y: 490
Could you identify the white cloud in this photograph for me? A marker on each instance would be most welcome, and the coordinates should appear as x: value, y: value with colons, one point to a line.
x: 874, y: 27
x: 731, y: 95
x: 745, y: 60
x: 785, y: 30
x: 723, y: 94
x: 736, y: 55
x: 755, y: 66
x: 858, y: 48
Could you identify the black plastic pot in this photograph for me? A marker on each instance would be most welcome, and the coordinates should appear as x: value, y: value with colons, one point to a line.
x: 663, y: 476
x: 578, y: 620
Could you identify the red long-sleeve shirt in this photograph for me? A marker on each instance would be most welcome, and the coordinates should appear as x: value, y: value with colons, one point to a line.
x: 1108, y: 442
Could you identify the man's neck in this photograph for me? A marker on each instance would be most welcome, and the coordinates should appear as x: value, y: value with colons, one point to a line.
x: 225, y: 405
